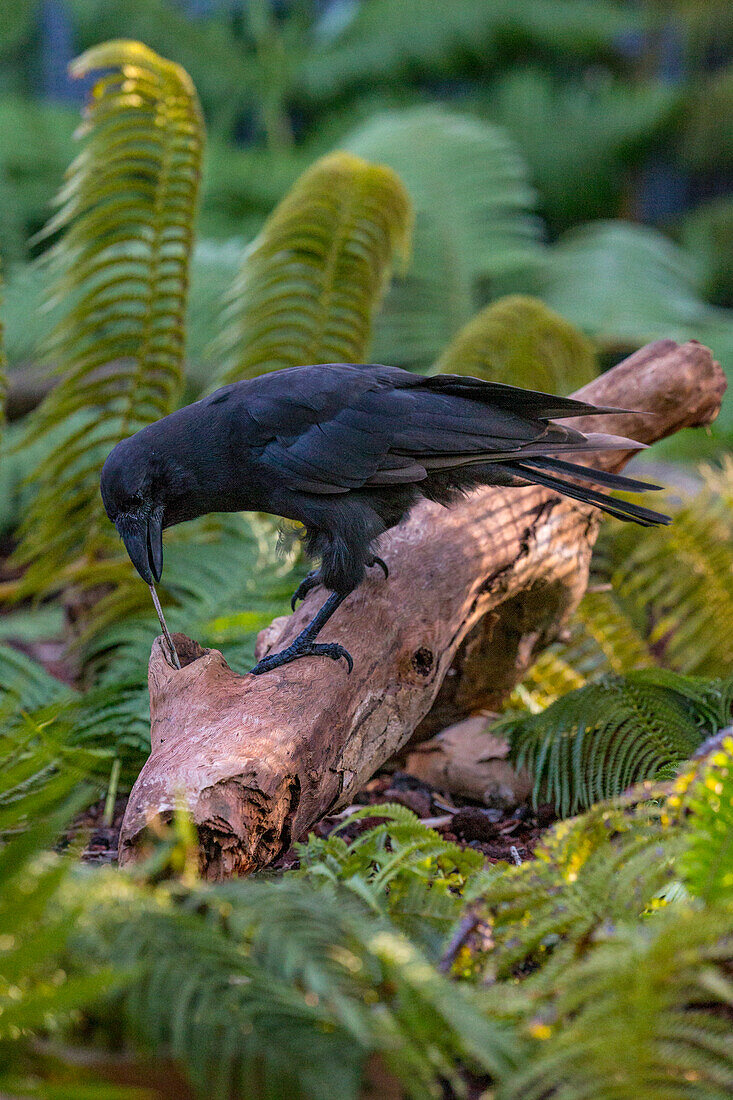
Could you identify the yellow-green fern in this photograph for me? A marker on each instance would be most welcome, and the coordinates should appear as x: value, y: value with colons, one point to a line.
x: 676, y: 587
x: 519, y: 341
x: 3, y: 372
x: 706, y: 793
x: 312, y: 280
x: 121, y: 264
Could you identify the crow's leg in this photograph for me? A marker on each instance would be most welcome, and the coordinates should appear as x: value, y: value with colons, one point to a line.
x: 310, y: 580
x: 313, y: 579
x: 305, y: 646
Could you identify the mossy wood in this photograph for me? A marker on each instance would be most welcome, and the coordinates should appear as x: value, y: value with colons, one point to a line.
x: 475, y: 592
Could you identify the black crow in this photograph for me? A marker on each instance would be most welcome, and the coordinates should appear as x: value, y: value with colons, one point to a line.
x: 347, y: 451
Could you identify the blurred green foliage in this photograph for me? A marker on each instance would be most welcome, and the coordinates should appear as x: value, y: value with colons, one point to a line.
x: 394, y: 954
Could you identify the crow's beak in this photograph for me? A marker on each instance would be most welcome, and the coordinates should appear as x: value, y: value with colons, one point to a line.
x: 143, y: 539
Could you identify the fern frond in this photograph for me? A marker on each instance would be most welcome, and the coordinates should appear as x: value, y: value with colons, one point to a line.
x: 473, y: 31
x: 276, y: 988
x: 473, y: 224
x: 313, y: 278
x: 594, y: 742
x: 706, y: 795
x: 625, y: 285
x: 3, y: 367
x: 677, y: 589
x: 121, y: 266
x: 601, y: 639
x: 597, y: 132
x: 519, y: 341
x: 548, y: 913
x: 401, y: 868
x: 645, y: 1014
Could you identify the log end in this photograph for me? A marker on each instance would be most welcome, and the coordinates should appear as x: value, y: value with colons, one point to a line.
x: 210, y: 759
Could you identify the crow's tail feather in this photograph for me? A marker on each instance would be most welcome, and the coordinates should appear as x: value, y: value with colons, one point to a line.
x: 533, y: 470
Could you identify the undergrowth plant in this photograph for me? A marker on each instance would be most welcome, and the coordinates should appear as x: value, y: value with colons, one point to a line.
x: 599, y: 969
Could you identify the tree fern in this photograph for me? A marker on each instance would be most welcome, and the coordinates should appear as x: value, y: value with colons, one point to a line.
x: 519, y: 341
x: 594, y: 742
x: 126, y: 218
x: 311, y: 281
x: 474, y: 223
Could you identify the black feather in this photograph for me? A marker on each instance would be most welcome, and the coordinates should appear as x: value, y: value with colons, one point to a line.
x: 347, y: 450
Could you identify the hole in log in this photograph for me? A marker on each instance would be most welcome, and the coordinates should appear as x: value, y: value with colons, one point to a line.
x: 188, y: 651
x: 422, y: 661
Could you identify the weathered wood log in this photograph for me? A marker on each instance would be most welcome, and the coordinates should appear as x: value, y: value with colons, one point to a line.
x: 474, y: 591
x: 468, y: 760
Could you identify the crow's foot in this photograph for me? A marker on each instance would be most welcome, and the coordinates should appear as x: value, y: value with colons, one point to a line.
x: 294, y: 651
x: 382, y: 565
x: 310, y: 581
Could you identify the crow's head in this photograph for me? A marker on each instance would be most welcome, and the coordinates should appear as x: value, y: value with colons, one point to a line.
x: 132, y: 492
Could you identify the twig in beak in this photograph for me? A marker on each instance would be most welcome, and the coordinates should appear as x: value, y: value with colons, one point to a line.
x: 163, y: 626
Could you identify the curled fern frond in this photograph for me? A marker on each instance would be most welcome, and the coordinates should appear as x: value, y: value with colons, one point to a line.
x: 593, y: 743
x: 121, y: 267
x: 313, y: 278
x: 519, y: 341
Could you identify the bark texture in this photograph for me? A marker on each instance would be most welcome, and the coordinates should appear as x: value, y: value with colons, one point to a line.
x: 474, y: 593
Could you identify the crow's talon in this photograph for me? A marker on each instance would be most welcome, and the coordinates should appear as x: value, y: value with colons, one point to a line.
x: 308, y: 583
x: 382, y: 565
x: 313, y: 649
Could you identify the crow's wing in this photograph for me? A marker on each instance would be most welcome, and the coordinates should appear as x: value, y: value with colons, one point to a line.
x: 335, y: 427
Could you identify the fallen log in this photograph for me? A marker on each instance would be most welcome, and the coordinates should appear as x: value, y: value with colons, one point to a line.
x: 474, y: 593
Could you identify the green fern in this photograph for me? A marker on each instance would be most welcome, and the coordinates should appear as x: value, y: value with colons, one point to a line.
x: 601, y: 639
x: 677, y: 590
x: 400, y: 867
x: 646, y: 1013
x: 546, y: 914
x: 519, y: 341
x: 706, y: 794
x: 312, y: 280
x: 594, y: 742
x: 597, y: 128
x: 625, y: 285
x: 127, y: 212
x: 658, y: 600
x: 384, y: 41
x: 3, y: 369
x: 286, y: 990
x: 474, y: 222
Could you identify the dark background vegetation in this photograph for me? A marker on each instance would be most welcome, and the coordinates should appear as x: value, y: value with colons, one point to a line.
x: 621, y: 113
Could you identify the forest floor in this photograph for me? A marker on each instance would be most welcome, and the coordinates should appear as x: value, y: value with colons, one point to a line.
x: 498, y: 835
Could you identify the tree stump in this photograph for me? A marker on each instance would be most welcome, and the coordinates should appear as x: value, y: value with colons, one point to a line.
x: 474, y: 593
